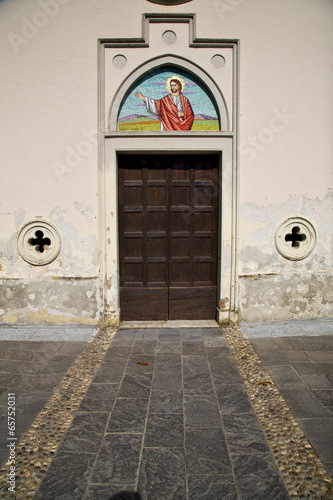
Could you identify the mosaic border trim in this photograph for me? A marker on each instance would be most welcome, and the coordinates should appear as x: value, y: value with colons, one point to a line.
x: 37, y: 447
x: 300, y: 467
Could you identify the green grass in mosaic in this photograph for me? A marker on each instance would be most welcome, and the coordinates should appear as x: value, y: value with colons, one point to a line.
x: 143, y: 125
x: 136, y: 126
x: 206, y: 125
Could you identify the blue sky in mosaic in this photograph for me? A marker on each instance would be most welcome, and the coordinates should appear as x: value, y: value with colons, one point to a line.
x: 153, y: 85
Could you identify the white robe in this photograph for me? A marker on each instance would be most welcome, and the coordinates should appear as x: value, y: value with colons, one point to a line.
x: 152, y: 108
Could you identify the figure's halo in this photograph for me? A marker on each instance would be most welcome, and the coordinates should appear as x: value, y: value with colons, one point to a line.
x: 179, y: 78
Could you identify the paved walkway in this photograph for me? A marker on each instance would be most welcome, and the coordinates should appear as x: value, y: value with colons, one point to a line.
x: 173, y: 413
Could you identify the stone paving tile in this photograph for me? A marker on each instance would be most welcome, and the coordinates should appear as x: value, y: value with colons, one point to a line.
x: 119, y: 352
x: 258, y: 478
x: 169, y: 347
x: 110, y: 372
x: 206, y: 452
x: 99, y: 398
x: 24, y: 355
x: 196, y: 375
x: 193, y: 333
x: 21, y: 345
x: 272, y: 356
x: 233, y: 398
x: 225, y: 371
x: 31, y: 403
x: 171, y: 334
x: 51, y: 346
x: 135, y: 386
x: 140, y: 364
x: 214, y: 339
x: 193, y: 348
x: 162, y: 474
x: 303, y: 403
x: 22, y: 423
x: 325, y: 397
x: 70, y: 348
x: 124, y: 337
x: 162, y: 401
x: 85, y: 433
x: 168, y: 381
x: 208, y: 487
x: 58, y: 364
x: 295, y: 356
x: 9, y: 366
x: 320, y: 433
x: 11, y: 381
x: 67, y: 477
x: 320, y: 356
x: 318, y: 381
x: 128, y: 415
x: 164, y: 431
x: 314, y: 368
x: 118, y: 459
x: 297, y: 344
x: 168, y: 363
x: 40, y: 381
x: 3, y: 457
x: 201, y: 411
x: 244, y: 434
x: 285, y: 377
x: 30, y: 368
x: 144, y: 348
x: 105, y: 491
x: 147, y: 334
x: 325, y: 343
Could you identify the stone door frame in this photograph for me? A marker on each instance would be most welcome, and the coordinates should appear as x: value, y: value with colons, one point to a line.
x: 113, y: 84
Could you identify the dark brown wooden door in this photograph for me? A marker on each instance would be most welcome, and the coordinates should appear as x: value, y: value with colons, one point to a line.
x: 168, y: 208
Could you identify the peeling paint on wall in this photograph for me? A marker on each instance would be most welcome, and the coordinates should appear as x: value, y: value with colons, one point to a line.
x: 50, y: 301
x: 79, y: 255
x: 283, y: 297
x: 272, y: 287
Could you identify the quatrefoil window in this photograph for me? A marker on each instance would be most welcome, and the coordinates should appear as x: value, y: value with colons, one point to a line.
x: 295, y: 238
x: 39, y: 242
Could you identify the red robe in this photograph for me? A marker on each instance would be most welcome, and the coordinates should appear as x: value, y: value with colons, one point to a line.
x: 167, y: 111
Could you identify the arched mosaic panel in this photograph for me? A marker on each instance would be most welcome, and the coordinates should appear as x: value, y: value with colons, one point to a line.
x: 168, y: 99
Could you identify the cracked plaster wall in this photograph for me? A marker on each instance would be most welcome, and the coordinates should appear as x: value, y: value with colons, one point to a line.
x: 49, y: 151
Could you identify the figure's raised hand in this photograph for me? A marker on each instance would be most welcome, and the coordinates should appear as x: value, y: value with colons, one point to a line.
x: 140, y: 96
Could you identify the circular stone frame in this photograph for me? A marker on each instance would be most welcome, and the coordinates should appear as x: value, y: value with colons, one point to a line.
x: 295, y: 238
x: 30, y: 252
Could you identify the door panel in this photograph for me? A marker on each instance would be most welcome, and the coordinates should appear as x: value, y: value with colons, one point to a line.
x: 192, y: 303
x: 168, y: 236
x: 144, y: 304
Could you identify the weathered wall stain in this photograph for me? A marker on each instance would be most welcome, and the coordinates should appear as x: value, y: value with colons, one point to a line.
x: 224, y: 303
x: 288, y: 296
x: 51, y: 301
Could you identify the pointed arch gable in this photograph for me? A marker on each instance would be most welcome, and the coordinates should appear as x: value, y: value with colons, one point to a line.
x: 178, y: 63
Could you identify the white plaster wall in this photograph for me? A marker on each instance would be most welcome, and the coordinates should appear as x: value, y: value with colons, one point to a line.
x: 49, y: 151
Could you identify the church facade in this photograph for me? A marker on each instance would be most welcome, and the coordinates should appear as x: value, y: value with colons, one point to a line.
x: 166, y: 159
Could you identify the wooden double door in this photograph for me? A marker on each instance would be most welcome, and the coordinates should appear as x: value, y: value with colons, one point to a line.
x: 168, y: 236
